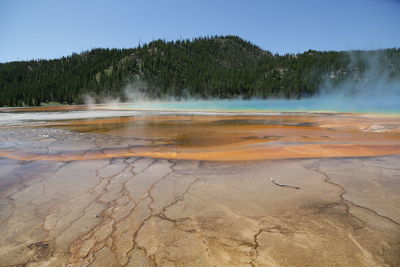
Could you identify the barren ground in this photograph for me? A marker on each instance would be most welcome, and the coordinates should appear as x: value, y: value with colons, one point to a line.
x: 76, y: 209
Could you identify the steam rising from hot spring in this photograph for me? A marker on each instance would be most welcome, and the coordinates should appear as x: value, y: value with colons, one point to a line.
x: 372, y: 90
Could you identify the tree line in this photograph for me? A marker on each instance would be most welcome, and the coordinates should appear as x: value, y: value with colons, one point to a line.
x: 217, y: 66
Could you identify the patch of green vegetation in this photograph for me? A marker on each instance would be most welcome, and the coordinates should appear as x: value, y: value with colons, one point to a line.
x: 220, y: 66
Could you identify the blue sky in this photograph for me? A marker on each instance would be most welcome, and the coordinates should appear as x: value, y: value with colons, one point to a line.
x: 31, y: 29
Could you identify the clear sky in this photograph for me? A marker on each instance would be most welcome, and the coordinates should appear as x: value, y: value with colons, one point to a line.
x: 31, y: 29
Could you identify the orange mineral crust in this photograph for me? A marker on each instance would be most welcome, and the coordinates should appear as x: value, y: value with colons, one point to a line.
x: 113, y: 191
x: 230, y: 153
x: 228, y: 137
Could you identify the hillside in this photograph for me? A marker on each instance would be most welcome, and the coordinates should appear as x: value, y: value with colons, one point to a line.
x: 221, y: 66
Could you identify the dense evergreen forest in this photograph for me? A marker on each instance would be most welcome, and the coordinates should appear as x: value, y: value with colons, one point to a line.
x: 220, y: 66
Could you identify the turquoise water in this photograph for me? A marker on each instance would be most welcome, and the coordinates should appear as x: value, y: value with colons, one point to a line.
x: 307, y: 105
x: 209, y: 107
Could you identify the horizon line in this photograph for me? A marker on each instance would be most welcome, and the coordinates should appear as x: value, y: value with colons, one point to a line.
x: 191, y: 40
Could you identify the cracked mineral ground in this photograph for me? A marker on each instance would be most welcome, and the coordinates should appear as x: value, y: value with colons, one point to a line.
x: 195, y: 190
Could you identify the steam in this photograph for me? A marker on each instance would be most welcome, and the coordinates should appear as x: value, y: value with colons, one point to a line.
x: 136, y: 92
x: 368, y: 84
x: 89, y: 100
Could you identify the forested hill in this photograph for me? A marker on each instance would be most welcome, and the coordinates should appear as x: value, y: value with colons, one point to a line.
x: 221, y: 66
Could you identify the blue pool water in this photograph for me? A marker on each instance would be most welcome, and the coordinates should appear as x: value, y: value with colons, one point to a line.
x: 307, y: 105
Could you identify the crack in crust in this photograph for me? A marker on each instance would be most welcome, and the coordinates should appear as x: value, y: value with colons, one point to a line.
x: 125, y: 216
x: 346, y: 202
x: 109, y: 222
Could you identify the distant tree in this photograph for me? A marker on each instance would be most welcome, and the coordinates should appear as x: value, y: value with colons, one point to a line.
x: 218, y: 66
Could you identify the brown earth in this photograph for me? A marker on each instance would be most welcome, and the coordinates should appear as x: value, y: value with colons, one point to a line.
x: 89, y: 199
